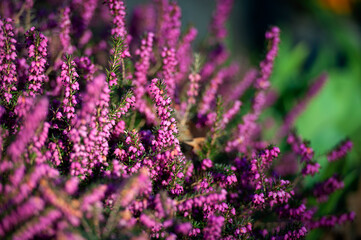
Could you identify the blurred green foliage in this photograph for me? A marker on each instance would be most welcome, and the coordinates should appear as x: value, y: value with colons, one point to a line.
x: 335, y: 113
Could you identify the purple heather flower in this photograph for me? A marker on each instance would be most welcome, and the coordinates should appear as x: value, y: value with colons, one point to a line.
x: 330, y: 221
x: 242, y: 86
x: 340, y: 151
x: 216, y: 58
x: 243, y: 138
x: 143, y: 19
x: 295, y: 234
x: 266, y: 66
x: 130, y: 154
x: 87, y: 159
x: 230, y: 113
x: 324, y: 189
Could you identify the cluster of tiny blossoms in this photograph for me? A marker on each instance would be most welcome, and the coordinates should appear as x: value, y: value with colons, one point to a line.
x: 151, y: 143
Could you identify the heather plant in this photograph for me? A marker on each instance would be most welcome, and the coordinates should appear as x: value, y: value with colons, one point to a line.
x: 144, y: 145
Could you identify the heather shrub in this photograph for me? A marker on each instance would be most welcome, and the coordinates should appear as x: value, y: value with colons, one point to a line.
x: 112, y: 130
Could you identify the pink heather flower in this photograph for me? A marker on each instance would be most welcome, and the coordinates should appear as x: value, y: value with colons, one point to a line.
x: 130, y: 154
x: 213, y: 229
x: 168, y: 128
x: 295, y: 234
x: 7, y: 60
x: 87, y: 9
x: 258, y: 199
x: 88, y: 68
x: 219, y: 19
x: 230, y: 113
x: 169, y: 70
x: 33, y: 206
x: 53, y: 154
x: 184, y: 228
x: 243, y: 230
x: 124, y: 107
x: 247, y: 130
x: 300, y: 147
x: 193, y: 90
x: 311, y: 168
x: 216, y: 58
x: 170, y: 22
x: 136, y: 185
x: 69, y: 80
x: 101, y: 131
x: 29, y: 230
x: 20, y: 192
x: 37, y: 53
x: 206, y: 163
x: 211, y: 93
x: 71, y: 186
x: 185, y: 55
x: 26, y: 133
x: 39, y: 143
x: 147, y: 221
x: 24, y: 106
x: 65, y: 28
x: 306, y: 152
x: 89, y: 153
x: 140, y: 81
x: 97, y: 194
x: 117, y: 9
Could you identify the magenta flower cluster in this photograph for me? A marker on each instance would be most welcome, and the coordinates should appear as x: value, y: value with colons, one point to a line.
x: 142, y: 138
